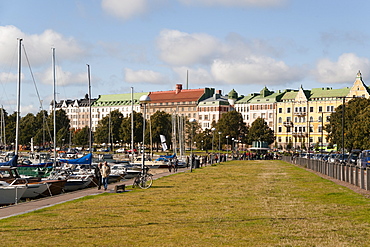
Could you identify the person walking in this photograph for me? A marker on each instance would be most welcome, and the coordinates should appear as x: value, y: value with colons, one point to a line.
x: 98, y: 177
x: 176, y: 165
x: 105, y: 171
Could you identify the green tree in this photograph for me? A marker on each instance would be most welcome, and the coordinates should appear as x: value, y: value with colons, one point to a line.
x: 62, y: 124
x: 231, y: 124
x: 27, y: 126
x: 109, y: 128
x: 81, y: 136
x: 126, y: 128
x: 204, y: 140
x: 260, y: 131
x: 10, y: 122
x: 43, y: 133
x: 161, y: 124
x: 349, y: 121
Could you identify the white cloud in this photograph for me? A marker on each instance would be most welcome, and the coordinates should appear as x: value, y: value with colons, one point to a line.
x: 236, y: 3
x: 255, y: 70
x: 179, y: 48
x: 143, y: 76
x: 63, y: 78
x: 125, y: 9
x: 8, y: 77
x: 37, y: 46
x: 341, y: 71
x: 196, y: 76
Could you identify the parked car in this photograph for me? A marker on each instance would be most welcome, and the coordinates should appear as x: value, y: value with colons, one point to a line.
x: 364, y: 159
x: 120, y: 150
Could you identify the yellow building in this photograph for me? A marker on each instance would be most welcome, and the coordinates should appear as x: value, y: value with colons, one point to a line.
x: 301, y: 114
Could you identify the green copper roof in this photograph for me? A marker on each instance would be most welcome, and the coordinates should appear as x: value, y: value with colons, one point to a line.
x: 289, y: 95
x: 118, y: 99
x: 269, y: 97
x: 328, y: 93
x: 245, y: 99
x: 233, y: 94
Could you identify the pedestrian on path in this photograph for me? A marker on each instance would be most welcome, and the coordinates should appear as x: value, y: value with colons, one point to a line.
x: 98, y: 176
x: 105, y: 171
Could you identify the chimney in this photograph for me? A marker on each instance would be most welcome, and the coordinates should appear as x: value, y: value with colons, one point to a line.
x: 178, y: 88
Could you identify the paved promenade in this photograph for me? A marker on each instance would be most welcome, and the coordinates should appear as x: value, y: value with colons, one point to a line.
x: 33, y: 205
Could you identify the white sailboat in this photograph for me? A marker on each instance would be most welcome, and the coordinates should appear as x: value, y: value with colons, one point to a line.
x: 10, y: 193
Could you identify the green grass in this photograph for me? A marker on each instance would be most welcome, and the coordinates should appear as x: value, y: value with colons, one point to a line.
x: 239, y: 203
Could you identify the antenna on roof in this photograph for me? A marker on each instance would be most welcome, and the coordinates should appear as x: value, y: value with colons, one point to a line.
x: 187, y: 79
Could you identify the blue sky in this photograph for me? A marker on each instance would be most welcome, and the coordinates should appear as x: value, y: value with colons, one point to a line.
x: 151, y: 44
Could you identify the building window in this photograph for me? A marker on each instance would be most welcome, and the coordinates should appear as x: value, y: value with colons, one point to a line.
x: 280, y: 110
x: 279, y: 129
x: 320, y: 108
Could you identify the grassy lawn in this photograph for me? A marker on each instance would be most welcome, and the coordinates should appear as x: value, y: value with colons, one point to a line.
x: 239, y: 203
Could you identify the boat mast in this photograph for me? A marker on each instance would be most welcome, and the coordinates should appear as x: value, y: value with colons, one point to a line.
x: 3, y: 136
x: 90, y: 122
x: 54, y: 116
x: 18, y: 96
x: 132, y: 123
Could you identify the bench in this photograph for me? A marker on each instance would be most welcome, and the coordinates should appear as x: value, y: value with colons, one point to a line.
x: 119, y: 188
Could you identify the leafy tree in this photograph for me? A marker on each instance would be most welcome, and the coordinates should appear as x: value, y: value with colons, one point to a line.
x: 62, y: 125
x: 81, y: 136
x: 260, y: 131
x: 126, y: 128
x: 353, y: 128
x: 27, y: 126
x: 10, y: 123
x: 231, y: 124
x: 43, y: 133
x: 204, y: 140
x: 161, y: 124
x: 109, y: 128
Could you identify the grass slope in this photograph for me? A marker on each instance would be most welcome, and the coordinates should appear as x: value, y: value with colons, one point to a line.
x: 239, y: 203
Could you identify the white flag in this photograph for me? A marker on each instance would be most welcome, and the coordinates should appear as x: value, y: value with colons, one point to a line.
x: 163, y: 141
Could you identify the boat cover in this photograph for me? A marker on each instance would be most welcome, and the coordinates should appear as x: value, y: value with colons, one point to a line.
x: 12, y: 162
x: 85, y: 160
x: 168, y: 156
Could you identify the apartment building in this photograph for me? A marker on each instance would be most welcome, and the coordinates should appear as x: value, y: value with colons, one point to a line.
x: 183, y: 102
x: 124, y: 103
x: 259, y: 105
x: 78, y: 111
x: 211, y: 109
x: 302, y: 114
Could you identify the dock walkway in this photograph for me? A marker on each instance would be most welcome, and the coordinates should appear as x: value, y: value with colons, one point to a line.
x: 26, y: 207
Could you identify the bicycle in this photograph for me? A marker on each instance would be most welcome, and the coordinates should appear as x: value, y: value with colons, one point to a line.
x: 144, y: 180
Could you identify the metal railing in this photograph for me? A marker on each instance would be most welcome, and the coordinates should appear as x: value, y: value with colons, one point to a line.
x: 350, y: 173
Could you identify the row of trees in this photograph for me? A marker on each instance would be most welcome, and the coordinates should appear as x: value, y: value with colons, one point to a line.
x: 350, y: 123
x: 40, y: 127
x: 114, y: 128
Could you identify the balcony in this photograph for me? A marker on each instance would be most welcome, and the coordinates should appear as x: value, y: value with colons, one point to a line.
x: 288, y: 124
x: 300, y: 134
x: 300, y: 113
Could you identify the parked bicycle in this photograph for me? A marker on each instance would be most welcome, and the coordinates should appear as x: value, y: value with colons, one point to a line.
x: 144, y: 180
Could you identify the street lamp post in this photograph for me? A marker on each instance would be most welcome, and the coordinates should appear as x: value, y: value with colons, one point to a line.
x: 219, y: 146
x: 213, y: 152
x: 144, y: 100
x: 192, y: 121
x: 213, y: 137
x: 227, y: 146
